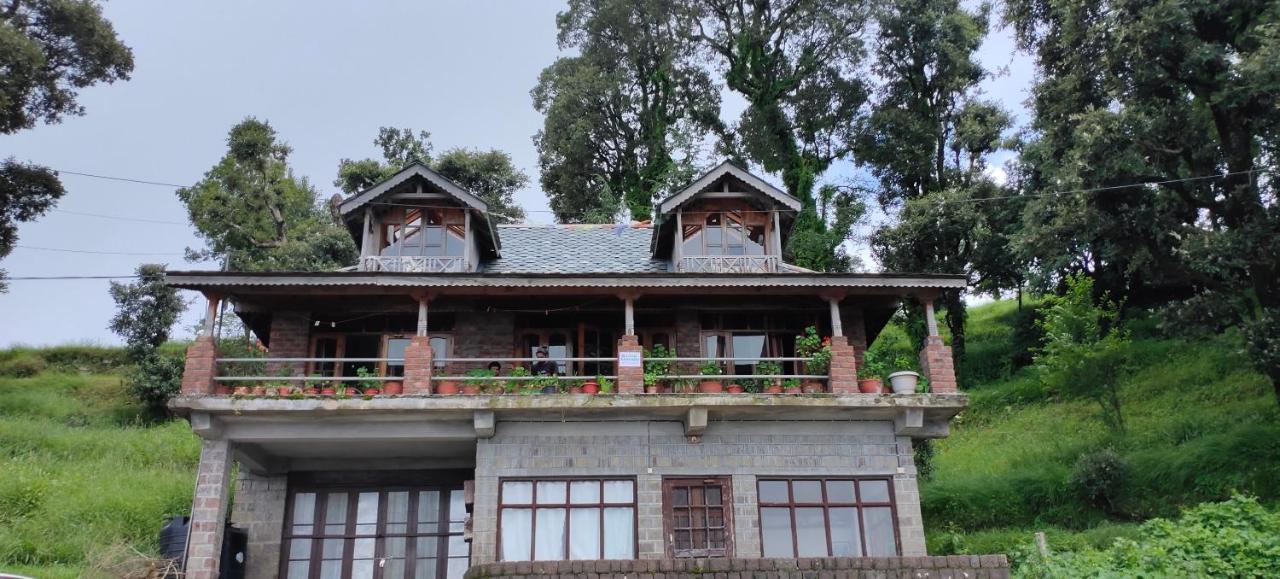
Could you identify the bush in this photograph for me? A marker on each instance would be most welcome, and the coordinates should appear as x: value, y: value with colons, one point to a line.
x: 23, y: 365
x: 157, y: 378
x: 1099, y: 478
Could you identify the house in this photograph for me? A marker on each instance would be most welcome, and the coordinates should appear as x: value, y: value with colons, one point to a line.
x: 516, y: 482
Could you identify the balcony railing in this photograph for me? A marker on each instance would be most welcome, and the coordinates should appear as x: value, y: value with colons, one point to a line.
x: 414, y: 264
x: 728, y: 264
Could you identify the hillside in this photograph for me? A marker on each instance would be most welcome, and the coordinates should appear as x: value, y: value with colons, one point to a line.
x: 83, y: 471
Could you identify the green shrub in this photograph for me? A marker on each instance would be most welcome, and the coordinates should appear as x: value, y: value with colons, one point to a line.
x: 24, y: 365
x: 1099, y: 478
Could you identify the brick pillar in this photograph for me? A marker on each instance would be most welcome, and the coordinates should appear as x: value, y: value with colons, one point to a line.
x: 936, y: 363
x: 204, y: 545
x: 418, y: 365
x: 844, y: 367
x: 290, y: 338
x: 630, y: 380
x: 197, y: 377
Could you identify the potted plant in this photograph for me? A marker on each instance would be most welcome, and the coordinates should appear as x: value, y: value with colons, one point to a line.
x: 393, y: 387
x: 260, y: 390
x: 606, y: 385
x: 592, y: 386
x: 222, y: 389
x: 735, y: 388
x: 903, y: 381
x: 477, y: 380
x: 328, y: 390
x: 548, y: 384
x: 656, y: 371
x: 574, y: 387
x: 791, y: 386
x: 771, y: 385
x: 311, y: 387
x: 707, y: 385
x: 818, y: 350
x: 517, y: 386
x: 369, y: 383
x: 652, y: 383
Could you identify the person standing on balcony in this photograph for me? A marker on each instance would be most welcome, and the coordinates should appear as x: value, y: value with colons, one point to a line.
x: 543, y: 367
x: 495, y: 367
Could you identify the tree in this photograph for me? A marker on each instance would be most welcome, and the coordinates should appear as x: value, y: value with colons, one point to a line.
x: 490, y: 175
x: 255, y: 215
x: 49, y: 50
x: 145, y: 313
x: 625, y: 114
x: 1179, y: 98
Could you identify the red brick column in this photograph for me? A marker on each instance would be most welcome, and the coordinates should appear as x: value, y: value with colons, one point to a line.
x: 418, y: 364
x: 197, y: 377
x: 630, y: 380
x: 844, y: 367
x: 213, y: 476
x: 936, y: 363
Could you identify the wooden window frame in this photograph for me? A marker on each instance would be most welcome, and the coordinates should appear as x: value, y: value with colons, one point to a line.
x: 668, y: 516
x: 400, y: 216
x: 317, y: 537
x: 858, y: 505
x: 341, y: 338
x: 533, y: 507
x: 740, y: 215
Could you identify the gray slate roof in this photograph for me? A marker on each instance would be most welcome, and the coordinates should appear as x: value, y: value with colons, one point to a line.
x: 574, y: 249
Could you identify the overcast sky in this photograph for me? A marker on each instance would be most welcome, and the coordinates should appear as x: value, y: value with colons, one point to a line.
x: 326, y: 76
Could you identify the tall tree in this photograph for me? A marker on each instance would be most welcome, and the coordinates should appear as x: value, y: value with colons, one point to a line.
x: 49, y: 50
x: 490, y: 175
x: 255, y: 215
x: 145, y: 313
x: 798, y: 65
x: 927, y: 141
x: 1179, y: 95
x: 625, y: 116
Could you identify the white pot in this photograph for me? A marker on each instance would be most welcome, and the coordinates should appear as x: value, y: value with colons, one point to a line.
x: 904, y: 382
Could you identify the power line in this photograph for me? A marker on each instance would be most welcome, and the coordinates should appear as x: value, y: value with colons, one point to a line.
x: 66, y: 250
x: 125, y: 179
x: 1112, y: 187
x: 67, y: 277
x: 120, y: 218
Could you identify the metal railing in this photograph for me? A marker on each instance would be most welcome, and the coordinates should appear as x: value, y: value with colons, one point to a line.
x: 737, y: 361
x: 558, y: 361
x: 414, y: 264
x: 303, y: 378
x: 728, y: 264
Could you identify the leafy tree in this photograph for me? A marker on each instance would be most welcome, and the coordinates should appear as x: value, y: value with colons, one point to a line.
x: 49, y: 50
x: 796, y: 62
x: 625, y: 114
x: 1161, y: 93
x: 145, y: 313
x: 490, y: 174
x: 255, y: 215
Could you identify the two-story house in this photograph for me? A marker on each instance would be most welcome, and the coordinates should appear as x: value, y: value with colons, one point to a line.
x: 519, y: 480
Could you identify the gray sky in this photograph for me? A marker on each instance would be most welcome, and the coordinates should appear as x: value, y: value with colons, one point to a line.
x: 326, y: 76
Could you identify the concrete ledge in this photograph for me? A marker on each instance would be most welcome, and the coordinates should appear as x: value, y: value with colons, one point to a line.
x: 971, y: 566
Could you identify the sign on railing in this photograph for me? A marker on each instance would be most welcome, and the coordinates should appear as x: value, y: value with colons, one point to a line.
x: 728, y: 263
x: 413, y: 264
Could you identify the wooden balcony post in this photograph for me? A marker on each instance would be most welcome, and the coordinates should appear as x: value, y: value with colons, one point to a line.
x: 935, y: 357
x: 843, y: 373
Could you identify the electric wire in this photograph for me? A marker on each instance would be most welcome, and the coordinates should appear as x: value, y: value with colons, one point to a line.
x: 95, y: 252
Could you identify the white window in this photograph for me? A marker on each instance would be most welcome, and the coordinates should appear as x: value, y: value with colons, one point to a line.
x: 564, y: 519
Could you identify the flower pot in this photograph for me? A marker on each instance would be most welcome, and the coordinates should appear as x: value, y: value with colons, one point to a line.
x: 870, y: 386
x: 447, y: 387
x: 259, y: 391
x: 372, y: 391
x: 652, y: 388
x: 311, y: 392
x: 328, y: 391
x: 735, y: 389
x: 284, y: 391
x: 352, y: 392
x: 812, y: 387
x: 241, y: 391
x: 590, y: 387
x: 393, y: 387
x: 471, y: 389
x: 904, y: 382
x: 710, y: 387
x: 773, y: 389
x: 791, y: 390
x: 222, y: 389
x: 575, y: 389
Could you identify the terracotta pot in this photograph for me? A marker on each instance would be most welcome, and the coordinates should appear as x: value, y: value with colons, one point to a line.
x: 311, y: 392
x: 447, y: 387
x: 812, y: 387
x: 372, y: 391
x: 773, y: 389
x: 652, y: 389
x: 471, y: 389
x: 222, y: 389
x: 575, y: 389
x: 710, y: 387
x: 352, y: 392
x: 259, y: 390
x: 393, y: 387
x: 241, y: 391
x: 870, y: 386
x: 284, y: 391
x: 329, y: 391
x: 590, y: 388
x: 791, y: 390
x: 735, y: 389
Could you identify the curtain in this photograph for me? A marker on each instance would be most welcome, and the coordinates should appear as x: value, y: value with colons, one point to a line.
x: 517, y: 534
x: 584, y: 533
x: 619, y: 532
x: 548, y: 545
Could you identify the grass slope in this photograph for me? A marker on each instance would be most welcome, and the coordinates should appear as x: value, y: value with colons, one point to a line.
x: 81, y: 472
x: 1201, y: 424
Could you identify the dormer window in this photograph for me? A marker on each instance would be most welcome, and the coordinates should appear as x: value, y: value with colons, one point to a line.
x: 724, y: 233
x: 432, y: 232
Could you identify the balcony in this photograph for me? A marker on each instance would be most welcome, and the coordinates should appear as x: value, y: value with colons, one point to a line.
x: 728, y: 264
x: 414, y: 264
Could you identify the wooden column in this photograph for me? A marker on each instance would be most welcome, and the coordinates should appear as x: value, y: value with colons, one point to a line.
x: 629, y: 320
x: 211, y: 314
x: 422, y: 314
x: 837, y: 327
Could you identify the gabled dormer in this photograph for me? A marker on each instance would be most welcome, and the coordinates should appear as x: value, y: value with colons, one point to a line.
x: 727, y: 221
x: 418, y: 221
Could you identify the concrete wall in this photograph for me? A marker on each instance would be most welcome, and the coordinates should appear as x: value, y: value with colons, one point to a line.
x: 648, y: 450
x: 259, y: 509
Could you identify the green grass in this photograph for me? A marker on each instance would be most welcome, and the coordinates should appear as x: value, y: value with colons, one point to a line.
x: 83, y: 471
x: 1201, y: 424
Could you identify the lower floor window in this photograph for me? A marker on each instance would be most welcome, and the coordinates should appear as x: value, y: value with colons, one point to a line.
x: 375, y: 533
x: 827, y: 518
x: 556, y: 520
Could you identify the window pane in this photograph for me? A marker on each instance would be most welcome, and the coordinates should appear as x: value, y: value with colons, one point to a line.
x: 393, y: 547
x: 773, y: 491
x: 440, y: 349
x: 299, y: 570
x: 775, y: 527
x: 428, y: 511
x: 874, y: 491
x: 335, y: 515
x: 552, y: 493
x: 845, y: 533
x: 880, y: 540
x: 712, y: 495
x: 457, y: 567
x: 584, y: 492
x: 680, y: 496
x: 548, y: 544
x: 424, y: 569
x: 748, y: 348
x: 811, y: 532
x: 397, y: 512
x: 367, y: 514
x: 457, y: 506
x: 619, y: 533
x: 299, y: 549
x: 517, y: 493
x: 393, y: 568
x: 304, y: 509
x: 619, y: 491
x: 584, y: 533
x: 516, y: 534
x: 807, y: 491
x: 428, y: 546
x: 840, y: 491
x: 331, y: 569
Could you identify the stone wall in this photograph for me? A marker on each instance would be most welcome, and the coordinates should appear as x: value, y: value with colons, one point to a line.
x: 948, y: 567
x: 649, y: 450
x: 259, y: 509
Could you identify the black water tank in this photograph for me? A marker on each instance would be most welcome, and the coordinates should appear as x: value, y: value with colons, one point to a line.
x: 173, y: 536
x: 235, y: 551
